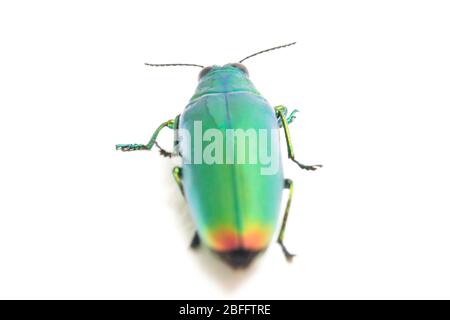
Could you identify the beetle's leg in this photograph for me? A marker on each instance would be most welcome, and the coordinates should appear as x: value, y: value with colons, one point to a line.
x: 176, y: 138
x: 279, y: 112
x: 195, y: 243
x: 163, y: 152
x: 150, y: 144
x: 289, y: 118
x: 288, y: 184
x: 177, y: 174
x: 292, y: 116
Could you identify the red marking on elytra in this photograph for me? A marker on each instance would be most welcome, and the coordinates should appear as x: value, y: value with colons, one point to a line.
x: 224, y: 240
x: 255, y: 239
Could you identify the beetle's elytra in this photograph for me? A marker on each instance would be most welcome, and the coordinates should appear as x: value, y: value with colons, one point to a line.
x: 234, y: 200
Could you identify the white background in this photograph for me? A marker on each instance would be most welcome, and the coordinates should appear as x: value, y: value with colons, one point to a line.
x: 81, y: 220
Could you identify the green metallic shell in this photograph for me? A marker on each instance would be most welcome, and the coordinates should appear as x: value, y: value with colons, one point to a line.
x: 233, y: 205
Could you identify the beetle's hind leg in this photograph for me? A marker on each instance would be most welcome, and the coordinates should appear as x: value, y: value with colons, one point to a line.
x: 288, y: 184
x: 307, y: 167
x: 280, y: 112
x: 177, y: 173
x: 195, y: 243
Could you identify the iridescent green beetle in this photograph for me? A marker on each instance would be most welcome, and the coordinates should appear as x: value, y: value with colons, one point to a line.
x: 234, y: 204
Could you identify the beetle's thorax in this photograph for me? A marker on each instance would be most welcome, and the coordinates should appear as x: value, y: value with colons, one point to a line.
x: 224, y: 79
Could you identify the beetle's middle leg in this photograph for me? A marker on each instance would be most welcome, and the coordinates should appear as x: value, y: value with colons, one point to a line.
x: 288, y: 184
x: 280, y: 113
x: 178, y: 174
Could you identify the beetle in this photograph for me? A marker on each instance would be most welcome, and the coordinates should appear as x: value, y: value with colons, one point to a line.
x: 234, y: 206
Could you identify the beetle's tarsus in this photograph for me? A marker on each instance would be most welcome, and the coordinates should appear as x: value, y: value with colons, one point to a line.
x: 306, y: 167
x: 289, y: 256
x: 131, y: 147
x: 292, y: 116
x: 284, y: 111
x: 195, y: 243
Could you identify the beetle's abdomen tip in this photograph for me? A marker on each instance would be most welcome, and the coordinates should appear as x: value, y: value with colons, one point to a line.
x: 238, y: 258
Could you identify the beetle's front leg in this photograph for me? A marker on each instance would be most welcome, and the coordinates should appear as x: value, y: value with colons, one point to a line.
x: 150, y: 144
x: 280, y: 112
x: 172, y: 124
x: 289, y: 118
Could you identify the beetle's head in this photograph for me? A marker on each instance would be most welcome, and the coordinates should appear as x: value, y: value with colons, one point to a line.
x: 229, y: 67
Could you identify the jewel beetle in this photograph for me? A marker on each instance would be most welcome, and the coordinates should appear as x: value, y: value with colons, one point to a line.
x: 234, y: 202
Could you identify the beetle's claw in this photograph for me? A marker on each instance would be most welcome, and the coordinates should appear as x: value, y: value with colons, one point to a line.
x: 305, y: 167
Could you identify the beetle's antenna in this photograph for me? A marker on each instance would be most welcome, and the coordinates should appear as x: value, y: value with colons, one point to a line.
x: 274, y: 48
x: 173, y: 65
